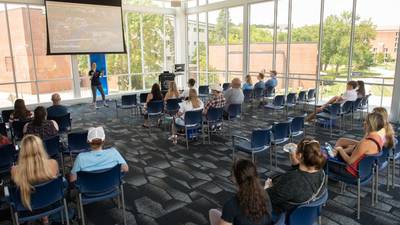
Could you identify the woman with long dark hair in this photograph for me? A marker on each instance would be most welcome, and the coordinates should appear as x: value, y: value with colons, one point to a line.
x: 40, y: 126
x: 20, y: 113
x: 360, y: 89
x: 250, y: 205
x: 154, y: 95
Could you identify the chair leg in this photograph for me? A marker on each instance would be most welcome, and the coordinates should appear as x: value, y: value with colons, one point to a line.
x: 377, y: 186
x: 393, y: 172
x: 270, y: 156
x: 187, y: 139
x: 233, y: 154
x: 276, y: 157
x: 358, y: 198
x: 123, y: 203
x: 66, y: 211
x: 81, y: 209
x: 373, y: 185
x: 388, y: 174
x: 16, y: 218
x: 13, y: 220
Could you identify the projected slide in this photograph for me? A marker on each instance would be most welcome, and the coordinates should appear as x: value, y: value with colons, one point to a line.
x: 84, y: 28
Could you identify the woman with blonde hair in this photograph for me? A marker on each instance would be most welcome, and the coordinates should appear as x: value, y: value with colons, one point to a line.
x: 193, y: 103
x: 173, y: 92
x: 387, y: 133
x: 34, y: 167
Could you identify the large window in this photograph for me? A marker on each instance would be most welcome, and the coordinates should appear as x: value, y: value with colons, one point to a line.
x: 235, y: 42
x: 217, y: 31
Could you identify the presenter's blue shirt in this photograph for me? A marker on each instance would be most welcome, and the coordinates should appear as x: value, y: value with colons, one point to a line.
x: 247, y: 86
x: 259, y: 84
x: 273, y: 82
x: 97, y: 160
x: 57, y: 111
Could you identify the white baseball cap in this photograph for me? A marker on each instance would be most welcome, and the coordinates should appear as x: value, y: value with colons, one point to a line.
x: 96, y: 133
x: 216, y: 87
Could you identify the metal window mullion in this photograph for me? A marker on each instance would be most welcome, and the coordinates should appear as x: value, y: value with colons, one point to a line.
x: 206, y: 46
x: 245, y: 51
x: 353, y: 22
x: 226, y: 44
x: 164, y: 44
x: 11, y: 51
x: 142, y: 50
x: 128, y: 50
x: 275, y: 34
x: 289, y: 42
x: 395, y: 106
x: 197, y: 51
x: 33, y: 54
x: 320, y: 39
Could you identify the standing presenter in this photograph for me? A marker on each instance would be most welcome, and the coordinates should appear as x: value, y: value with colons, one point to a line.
x: 95, y: 83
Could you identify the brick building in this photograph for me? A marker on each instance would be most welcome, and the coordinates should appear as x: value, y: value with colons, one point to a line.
x: 386, y: 41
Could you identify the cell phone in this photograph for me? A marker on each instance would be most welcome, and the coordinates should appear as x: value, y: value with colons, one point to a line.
x: 329, y: 149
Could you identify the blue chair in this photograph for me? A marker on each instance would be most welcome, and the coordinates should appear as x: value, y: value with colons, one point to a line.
x: 356, y: 106
x: 269, y: 92
x: 258, y: 94
x: 302, y: 99
x: 155, y: 111
x: 382, y: 162
x: 95, y: 186
x: 290, y: 101
x: 329, y: 117
x: 393, y: 157
x: 7, y: 158
x: 193, y: 123
x: 17, y: 128
x: 277, y: 104
x: 47, y: 199
x: 214, y: 121
x: 363, y: 106
x: 234, y: 113
x: 142, y: 99
x: 3, y: 129
x: 305, y: 214
x: 311, y: 95
x: 54, y: 150
x: 226, y: 86
x: 172, y: 106
x: 248, y: 95
x: 204, y: 90
x: 5, y: 115
x: 64, y: 122
x: 77, y: 143
x: 337, y: 171
x: 259, y: 141
x: 297, y: 127
x: 280, y: 135
x: 347, y: 109
x: 127, y: 102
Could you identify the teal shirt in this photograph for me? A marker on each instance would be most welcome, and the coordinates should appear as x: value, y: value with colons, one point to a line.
x: 97, y: 160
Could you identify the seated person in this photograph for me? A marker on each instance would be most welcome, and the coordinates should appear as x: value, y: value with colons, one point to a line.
x: 20, y: 112
x: 371, y: 144
x: 249, y: 84
x: 172, y: 92
x: 386, y: 133
x: 154, y: 95
x: 4, y: 140
x: 217, y: 99
x: 192, y: 104
x: 40, y: 126
x: 234, y: 95
x: 272, y: 82
x: 250, y: 205
x: 98, y: 158
x: 191, y: 85
x: 360, y: 89
x: 56, y: 110
x: 33, y: 167
x: 349, y: 95
x: 260, y: 84
x: 303, y: 183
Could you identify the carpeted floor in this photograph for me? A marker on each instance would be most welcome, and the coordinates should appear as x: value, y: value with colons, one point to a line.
x: 169, y: 185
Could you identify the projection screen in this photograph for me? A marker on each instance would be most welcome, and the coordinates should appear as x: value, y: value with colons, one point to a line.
x: 85, y: 27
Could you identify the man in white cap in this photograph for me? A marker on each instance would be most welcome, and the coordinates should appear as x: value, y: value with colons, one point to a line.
x: 217, y: 99
x: 98, y: 158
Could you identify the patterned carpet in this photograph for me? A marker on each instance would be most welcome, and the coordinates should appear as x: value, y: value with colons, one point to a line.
x: 169, y: 185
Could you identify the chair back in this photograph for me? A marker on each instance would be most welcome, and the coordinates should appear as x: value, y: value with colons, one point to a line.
x: 99, y: 181
x: 297, y: 124
x: 357, y: 104
x: 258, y: 93
x: 281, y: 130
x: 143, y: 97
x: 214, y: 114
x: 52, y: 146
x: 364, y: 101
x: 7, y: 157
x: 269, y: 91
x: 302, y: 96
x: 291, y: 98
x: 129, y: 100
x: 64, y: 122
x: 334, y: 109
x: 234, y: 110
x: 78, y: 141
x: 3, y: 129
x: 45, y: 195
x: 311, y: 94
x: 347, y: 107
x: 193, y: 117
x: 172, y: 105
x: 248, y: 95
x: 5, y: 115
x: 203, y: 90
x: 279, y: 100
x: 366, y: 167
x: 260, y: 138
x: 307, y: 214
x: 155, y: 107
x: 383, y: 156
x: 18, y: 128
x: 226, y: 86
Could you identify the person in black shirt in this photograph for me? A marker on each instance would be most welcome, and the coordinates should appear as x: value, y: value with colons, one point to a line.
x: 305, y: 182
x: 96, y: 84
x: 250, y: 205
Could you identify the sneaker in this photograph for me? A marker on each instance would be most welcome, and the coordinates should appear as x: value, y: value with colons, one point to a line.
x: 172, y: 137
x: 105, y: 104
